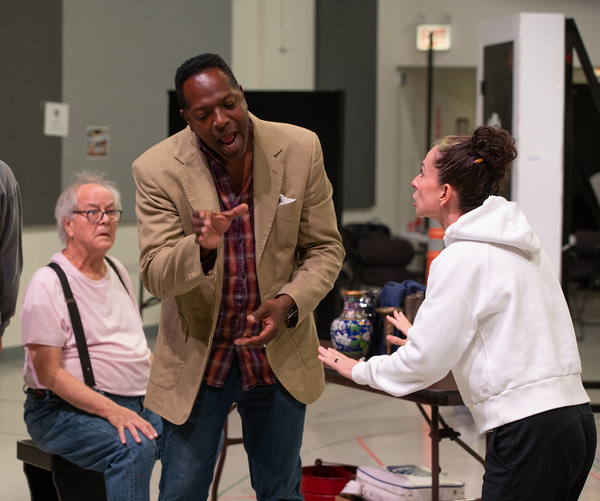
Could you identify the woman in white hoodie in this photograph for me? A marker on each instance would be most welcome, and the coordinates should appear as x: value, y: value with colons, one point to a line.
x: 495, y: 316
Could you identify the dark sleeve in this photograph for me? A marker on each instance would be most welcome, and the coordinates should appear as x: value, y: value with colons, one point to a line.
x: 11, y: 250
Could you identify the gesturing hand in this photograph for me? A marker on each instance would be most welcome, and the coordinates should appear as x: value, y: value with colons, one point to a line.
x: 210, y: 226
x: 271, y: 313
x: 402, y: 324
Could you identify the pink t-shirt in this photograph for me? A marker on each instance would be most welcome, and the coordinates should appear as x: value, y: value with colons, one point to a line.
x: 111, y: 321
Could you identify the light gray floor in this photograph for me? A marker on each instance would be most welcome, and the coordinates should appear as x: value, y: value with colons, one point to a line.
x: 343, y: 426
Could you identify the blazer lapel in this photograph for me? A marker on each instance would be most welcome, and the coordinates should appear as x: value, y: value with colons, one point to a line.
x: 196, y: 176
x: 267, y: 179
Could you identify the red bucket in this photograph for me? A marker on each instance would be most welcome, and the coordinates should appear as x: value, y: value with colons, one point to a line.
x: 323, y: 482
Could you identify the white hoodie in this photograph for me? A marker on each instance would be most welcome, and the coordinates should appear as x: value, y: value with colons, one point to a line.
x: 496, y: 316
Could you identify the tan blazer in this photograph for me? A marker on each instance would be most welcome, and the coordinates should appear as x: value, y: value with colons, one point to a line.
x: 298, y: 252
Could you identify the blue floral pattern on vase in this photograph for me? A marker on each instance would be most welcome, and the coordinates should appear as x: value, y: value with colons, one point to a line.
x: 351, y: 332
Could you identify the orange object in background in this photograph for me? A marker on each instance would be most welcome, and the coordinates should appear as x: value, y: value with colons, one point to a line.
x: 434, y: 247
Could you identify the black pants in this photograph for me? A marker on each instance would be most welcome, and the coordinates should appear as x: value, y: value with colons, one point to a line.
x: 544, y: 457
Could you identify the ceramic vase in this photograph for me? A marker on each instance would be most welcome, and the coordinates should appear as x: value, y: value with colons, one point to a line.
x: 351, y: 332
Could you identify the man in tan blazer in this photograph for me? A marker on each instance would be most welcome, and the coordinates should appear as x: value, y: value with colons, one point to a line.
x: 238, y: 237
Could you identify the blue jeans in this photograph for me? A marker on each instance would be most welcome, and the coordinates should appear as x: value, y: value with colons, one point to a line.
x: 272, y: 428
x: 92, y: 443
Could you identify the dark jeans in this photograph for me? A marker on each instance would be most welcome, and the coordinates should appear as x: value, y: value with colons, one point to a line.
x: 272, y: 428
x: 545, y: 457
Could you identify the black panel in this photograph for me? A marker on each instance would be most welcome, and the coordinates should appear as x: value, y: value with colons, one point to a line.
x: 176, y: 122
x: 497, y: 89
x: 31, y: 62
x: 346, y: 52
x: 498, y: 83
x: 586, y: 135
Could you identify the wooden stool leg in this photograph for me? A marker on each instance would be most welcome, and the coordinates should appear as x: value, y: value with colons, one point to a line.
x: 79, y: 484
x: 40, y: 483
x: 53, y: 478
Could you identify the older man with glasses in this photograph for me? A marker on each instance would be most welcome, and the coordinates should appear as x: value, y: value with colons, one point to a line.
x: 86, y: 385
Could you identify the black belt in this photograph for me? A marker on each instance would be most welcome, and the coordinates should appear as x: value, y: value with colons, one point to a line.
x: 47, y: 393
x: 41, y: 393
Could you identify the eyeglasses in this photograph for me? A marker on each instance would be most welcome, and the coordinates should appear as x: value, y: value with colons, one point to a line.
x: 95, y: 216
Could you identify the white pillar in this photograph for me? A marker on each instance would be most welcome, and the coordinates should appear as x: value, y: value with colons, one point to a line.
x: 537, y: 116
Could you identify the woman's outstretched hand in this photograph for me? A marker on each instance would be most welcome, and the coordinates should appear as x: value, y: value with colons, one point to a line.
x: 337, y: 361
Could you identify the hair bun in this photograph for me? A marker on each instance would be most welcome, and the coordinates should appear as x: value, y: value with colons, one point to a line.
x: 476, y: 166
x: 496, y: 146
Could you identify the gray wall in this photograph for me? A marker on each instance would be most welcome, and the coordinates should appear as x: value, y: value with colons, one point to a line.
x: 120, y: 58
x: 113, y: 62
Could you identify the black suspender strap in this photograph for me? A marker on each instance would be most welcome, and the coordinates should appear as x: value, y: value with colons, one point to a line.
x: 84, y: 356
x: 113, y: 266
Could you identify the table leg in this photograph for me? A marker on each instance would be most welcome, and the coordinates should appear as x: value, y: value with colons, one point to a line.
x: 435, y: 453
x: 226, y: 443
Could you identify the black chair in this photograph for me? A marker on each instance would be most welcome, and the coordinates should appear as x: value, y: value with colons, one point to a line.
x: 374, y: 257
x: 584, y: 275
x: 383, y: 260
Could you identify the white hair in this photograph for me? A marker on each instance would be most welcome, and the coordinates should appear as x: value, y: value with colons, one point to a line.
x: 67, y: 202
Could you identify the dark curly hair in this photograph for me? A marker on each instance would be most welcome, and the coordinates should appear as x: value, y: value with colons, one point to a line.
x: 196, y: 65
x: 476, y: 166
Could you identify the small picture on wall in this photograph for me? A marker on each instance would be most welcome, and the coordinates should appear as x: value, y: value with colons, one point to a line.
x: 97, y: 142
